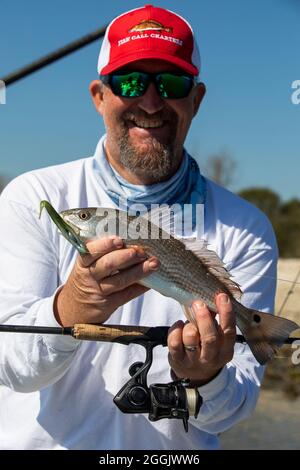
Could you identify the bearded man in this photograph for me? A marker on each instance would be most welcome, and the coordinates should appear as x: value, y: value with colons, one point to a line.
x: 58, y: 391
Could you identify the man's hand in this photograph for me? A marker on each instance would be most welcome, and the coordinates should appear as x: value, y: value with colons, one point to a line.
x: 199, y: 353
x: 102, y: 281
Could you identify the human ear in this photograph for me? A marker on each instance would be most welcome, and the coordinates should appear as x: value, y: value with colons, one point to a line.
x: 96, y: 91
x: 199, y: 95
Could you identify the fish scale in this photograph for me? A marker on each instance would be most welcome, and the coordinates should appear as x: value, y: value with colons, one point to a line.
x: 173, y: 255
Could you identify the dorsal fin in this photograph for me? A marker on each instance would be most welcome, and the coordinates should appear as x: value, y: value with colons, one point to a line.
x: 209, y: 258
x: 213, y: 263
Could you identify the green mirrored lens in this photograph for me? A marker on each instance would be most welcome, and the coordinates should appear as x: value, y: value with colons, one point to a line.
x: 135, y: 84
x: 129, y: 85
x: 174, y: 86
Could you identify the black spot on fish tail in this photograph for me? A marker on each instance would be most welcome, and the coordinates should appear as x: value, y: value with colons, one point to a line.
x: 266, y: 333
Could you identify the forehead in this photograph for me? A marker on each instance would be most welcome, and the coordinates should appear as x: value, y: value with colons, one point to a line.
x: 152, y: 66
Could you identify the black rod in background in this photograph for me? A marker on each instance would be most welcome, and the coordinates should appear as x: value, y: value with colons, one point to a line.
x: 53, y: 56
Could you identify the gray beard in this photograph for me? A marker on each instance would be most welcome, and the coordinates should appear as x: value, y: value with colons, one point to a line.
x: 154, y: 161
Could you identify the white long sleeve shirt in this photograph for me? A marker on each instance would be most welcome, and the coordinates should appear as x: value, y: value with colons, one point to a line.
x: 56, y: 392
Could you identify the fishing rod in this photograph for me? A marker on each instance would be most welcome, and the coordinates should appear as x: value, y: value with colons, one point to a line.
x: 124, y: 334
x: 290, y: 292
x: 53, y: 56
x: 174, y: 400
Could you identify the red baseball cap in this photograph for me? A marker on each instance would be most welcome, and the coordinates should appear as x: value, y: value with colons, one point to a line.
x: 149, y: 32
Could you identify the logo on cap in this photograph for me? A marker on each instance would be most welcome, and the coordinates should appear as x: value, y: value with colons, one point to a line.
x: 149, y: 33
x: 147, y: 25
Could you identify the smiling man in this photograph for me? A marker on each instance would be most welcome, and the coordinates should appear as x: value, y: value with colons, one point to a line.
x: 58, y: 391
x: 145, y: 134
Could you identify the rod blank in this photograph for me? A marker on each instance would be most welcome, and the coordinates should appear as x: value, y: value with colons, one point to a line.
x: 53, y: 56
x: 43, y: 330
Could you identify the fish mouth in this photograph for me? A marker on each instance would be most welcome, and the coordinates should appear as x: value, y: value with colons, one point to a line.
x: 68, y: 230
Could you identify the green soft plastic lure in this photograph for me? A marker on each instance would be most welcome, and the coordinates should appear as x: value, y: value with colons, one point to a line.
x: 66, y: 230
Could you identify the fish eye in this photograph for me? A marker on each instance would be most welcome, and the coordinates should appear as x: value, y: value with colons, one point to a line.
x: 84, y: 215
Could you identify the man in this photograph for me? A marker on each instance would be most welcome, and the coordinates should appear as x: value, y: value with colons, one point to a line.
x: 59, y: 391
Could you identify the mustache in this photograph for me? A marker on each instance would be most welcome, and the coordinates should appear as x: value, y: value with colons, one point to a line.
x: 141, y: 115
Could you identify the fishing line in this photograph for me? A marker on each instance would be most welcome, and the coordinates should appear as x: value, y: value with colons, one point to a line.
x: 94, y: 253
x: 223, y: 263
x: 267, y: 276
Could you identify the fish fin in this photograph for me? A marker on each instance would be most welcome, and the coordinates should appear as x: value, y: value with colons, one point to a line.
x: 213, y: 263
x: 266, y: 333
x: 189, y: 313
x: 196, y: 245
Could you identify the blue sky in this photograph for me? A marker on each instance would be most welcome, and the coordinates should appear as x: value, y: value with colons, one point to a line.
x: 250, y: 57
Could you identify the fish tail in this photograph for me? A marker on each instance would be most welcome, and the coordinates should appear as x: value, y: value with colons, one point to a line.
x: 265, y: 333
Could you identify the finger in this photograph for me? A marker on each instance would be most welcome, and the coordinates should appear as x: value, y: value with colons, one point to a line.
x: 98, y: 248
x: 191, y: 342
x: 227, y: 324
x: 115, y: 261
x: 175, y: 344
x: 208, y: 332
x: 129, y: 276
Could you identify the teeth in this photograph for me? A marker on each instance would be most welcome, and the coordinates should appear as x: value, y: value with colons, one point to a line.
x: 148, y: 125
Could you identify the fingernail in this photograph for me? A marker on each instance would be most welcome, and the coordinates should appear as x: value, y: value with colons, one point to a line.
x: 198, y: 305
x: 141, y: 254
x: 224, y: 299
x: 153, y: 264
x: 118, y: 242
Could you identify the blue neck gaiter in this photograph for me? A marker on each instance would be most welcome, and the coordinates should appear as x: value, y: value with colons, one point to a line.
x: 187, y: 186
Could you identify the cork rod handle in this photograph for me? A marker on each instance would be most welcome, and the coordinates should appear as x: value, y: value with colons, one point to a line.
x: 108, y: 333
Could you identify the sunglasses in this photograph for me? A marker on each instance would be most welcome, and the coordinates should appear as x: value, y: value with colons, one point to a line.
x: 134, y: 84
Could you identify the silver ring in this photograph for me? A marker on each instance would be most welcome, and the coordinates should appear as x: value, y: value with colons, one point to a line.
x: 191, y: 348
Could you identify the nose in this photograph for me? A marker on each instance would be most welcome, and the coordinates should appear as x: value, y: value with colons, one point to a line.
x: 151, y: 102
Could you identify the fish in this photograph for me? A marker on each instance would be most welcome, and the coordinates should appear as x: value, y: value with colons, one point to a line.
x: 147, y: 25
x: 188, y: 270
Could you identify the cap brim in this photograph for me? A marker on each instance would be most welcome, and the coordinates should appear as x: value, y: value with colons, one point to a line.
x: 139, y: 55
